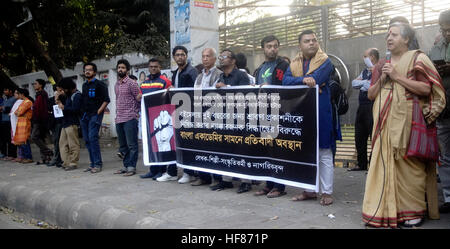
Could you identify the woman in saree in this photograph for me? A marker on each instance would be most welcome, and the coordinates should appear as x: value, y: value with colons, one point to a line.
x: 400, y: 190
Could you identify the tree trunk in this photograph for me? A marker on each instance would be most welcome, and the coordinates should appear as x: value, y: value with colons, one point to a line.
x: 33, y: 45
x: 6, y: 81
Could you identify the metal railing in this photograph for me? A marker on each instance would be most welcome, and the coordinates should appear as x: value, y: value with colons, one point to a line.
x: 342, y: 20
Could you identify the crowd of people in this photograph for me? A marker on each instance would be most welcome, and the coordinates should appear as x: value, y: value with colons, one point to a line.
x: 394, y: 93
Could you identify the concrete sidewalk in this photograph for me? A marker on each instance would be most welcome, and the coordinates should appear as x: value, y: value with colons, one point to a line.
x: 76, y: 199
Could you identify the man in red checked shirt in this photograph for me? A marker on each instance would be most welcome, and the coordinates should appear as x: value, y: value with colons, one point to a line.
x: 127, y: 113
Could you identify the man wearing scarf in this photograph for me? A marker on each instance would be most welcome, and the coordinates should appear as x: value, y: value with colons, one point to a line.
x: 312, y: 67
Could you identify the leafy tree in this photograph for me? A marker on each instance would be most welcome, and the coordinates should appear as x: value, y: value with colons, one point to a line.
x: 64, y: 32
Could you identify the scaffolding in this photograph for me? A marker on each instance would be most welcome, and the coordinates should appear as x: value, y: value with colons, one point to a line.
x: 338, y: 20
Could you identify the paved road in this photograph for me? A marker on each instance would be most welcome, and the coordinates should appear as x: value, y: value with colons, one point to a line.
x: 76, y: 199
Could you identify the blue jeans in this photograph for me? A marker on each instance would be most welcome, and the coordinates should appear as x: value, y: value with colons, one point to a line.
x: 90, y: 127
x: 25, y: 151
x: 127, y: 133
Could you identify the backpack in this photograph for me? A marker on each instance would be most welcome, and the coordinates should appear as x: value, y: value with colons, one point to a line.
x: 338, y: 97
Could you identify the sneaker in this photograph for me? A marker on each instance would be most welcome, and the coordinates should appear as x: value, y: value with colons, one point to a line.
x: 158, y: 175
x: 185, y: 178
x: 51, y: 164
x: 166, y: 177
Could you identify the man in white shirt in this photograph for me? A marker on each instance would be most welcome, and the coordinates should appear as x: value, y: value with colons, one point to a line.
x: 364, y: 119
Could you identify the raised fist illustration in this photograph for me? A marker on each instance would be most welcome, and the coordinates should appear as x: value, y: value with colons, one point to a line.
x: 163, y: 131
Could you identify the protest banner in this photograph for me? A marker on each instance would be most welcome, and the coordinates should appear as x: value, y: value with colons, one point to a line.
x: 267, y: 133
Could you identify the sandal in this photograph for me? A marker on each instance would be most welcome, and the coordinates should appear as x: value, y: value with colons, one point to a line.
x: 120, y: 171
x: 275, y: 193
x: 130, y: 173
x: 326, y: 200
x: 95, y: 170
x: 263, y: 191
x: 304, y: 196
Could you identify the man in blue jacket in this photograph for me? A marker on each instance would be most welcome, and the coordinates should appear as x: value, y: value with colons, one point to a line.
x: 69, y: 144
x: 312, y: 67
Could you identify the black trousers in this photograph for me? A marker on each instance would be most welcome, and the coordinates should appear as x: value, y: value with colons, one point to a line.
x: 6, y: 147
x: 363, y: 130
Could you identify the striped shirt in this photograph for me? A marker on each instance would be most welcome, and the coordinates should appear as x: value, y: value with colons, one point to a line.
x: 155, y: 82
x: 127, y: 107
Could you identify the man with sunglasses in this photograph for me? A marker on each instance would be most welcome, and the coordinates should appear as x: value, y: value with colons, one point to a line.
x: 231, y: 76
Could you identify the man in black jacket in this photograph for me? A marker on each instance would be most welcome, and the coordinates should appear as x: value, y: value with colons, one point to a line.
x: 94, y: 100
x: 184, y: 76
x: 272, y: 71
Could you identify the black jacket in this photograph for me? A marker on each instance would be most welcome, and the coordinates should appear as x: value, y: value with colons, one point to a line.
x: 278, y: 72
x: 186, y: 78
x: 93, y: 95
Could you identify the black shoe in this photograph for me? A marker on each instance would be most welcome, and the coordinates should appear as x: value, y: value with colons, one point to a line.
x: 244, y: 187
x: 158, y: 175
x: 357, y: 168
x: 148, y: 175
x: 221, y: 186
x: 445, y: 208
x: 51, y: 164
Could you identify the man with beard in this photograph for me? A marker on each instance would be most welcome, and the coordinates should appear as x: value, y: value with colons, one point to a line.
x: 127, y: 114
x: 271, y: 72
x: 184, y: 76
x: 312, y: 67
x: 95, y: 98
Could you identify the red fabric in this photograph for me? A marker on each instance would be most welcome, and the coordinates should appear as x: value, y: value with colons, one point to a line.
x: 423, y: 142
x: 40, y: 109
